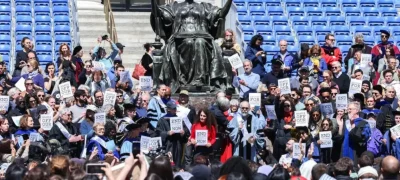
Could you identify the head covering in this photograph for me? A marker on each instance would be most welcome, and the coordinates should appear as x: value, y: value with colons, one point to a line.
x: 378, y: 88
x: 42, y: 108
x: 272, y: 85
x: 304, y: 69
x: 265, y: 169
x: 385, y: 32
x: 304, y: 47
x: 366, y: 170
x: 306, y: 168
x: 357, y: 47
x: 129, y: 106
x: 171, y: 105
x: 76, y: 50
x: 396, y: 113
x: 143, y: 120
x: 91, y: 108
x: 201, y: 172
x: 277, y: 62
x: 185, y: 92
x: 133, y: 126
x: 119, y: 45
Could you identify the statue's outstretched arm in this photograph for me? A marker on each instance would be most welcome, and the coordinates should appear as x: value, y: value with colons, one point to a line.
x: 224, y: 11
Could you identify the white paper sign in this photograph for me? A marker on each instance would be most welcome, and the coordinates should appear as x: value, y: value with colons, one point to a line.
x: 109, y: 98
x: 98, y: 66
x: 301, y: 118
x: 341, y: 101
x: 176, y: 124
x: 355, y: 86
x: 21, y: 84
x: 201, y: 137
x: 395, y: 130
x: 145, y: 83
x: 124, y: 77
x: 326, y: 109
x: 365, y: 59
x: 326, y: 139
x: 144, y: 144
x: 46, y: 121
x: 235, y: 61
x: 4, y: 102
x: 100, y: 118
x: 35, y: 137
x: 255, y: 99
x: 65, y: 90
x: 297, y: 150
x: 284, y: 85
x: 16, y: 120
x: 271, y: 113
x: 155, y: 143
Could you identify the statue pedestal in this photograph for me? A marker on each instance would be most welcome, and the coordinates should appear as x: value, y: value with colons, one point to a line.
x: 201, y: 99
x: 197, y: 89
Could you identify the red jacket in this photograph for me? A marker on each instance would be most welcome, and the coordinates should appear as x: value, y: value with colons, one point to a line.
x: 200, y: 126
x: 331, y: 54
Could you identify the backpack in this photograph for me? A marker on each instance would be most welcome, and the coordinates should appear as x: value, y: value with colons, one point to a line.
x: 386, y: 115
x: 38, y: 151
x: 360, y: 134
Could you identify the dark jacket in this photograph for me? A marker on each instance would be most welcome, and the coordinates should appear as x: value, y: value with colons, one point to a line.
x: 146, y: 61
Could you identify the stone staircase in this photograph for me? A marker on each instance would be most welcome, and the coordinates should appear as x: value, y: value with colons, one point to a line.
x: 133, y: 30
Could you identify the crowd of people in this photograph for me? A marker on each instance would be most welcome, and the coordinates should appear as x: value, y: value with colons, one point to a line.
x: 319, y: 116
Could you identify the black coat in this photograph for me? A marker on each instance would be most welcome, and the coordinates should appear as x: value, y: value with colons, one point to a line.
x: 146, y: 61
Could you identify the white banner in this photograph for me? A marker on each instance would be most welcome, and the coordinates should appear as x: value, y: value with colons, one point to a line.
x: 355, y: 86
x: 235, y: 61
x: 395, y: 130
x: 46, y: 121
x: 65, y: 90
x: 326, y: 139
x: 109, y: 98
x: 341, y: 101
x: 155, y: 143
x: 176, y: 124
x: 201, y: 137
x: 301, y: 118
x: 98, y: 66
x: 271, y: 113
x: 145, y: 83
x: 284, y: 85
x: 144, y: 144
x: 4, y: 102
x: 100, y: 118
x: 255, y: 99
x: 365, y: 60
x: 297, y: 150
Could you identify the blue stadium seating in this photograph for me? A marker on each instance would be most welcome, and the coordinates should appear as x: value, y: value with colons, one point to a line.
x: 43, y: 48
x: 4, y: 48
x: 385, y: 3
x: 245, y: 20
x: 272, y: 2
x: 264, y: 30
x: 5, y: 20
x: 23, y: 2
x: 393, y: 21
x: 343, y: 40
x: 5, y: 39
x: 247, y: 38
x: 376, y: 30
x: 242, y: 10
x: 292, y: 3
x: 337, y: 20
x: 306, y: 39
x: 255, y: 3
x: 282, y: 30
x: 262, y: 20
x: 328, y: 3
x: 344, y: 49
x: 365, y: 30
x: 23, y: 10
x: 332, y: 11
x: 293, y: 49
x: 303, y: 30
x: 43, y: 40
x: 257, y: 10
x: 279, y: 20
x: 295, y: 11
x: 41, y: 2
x: 321, y: 39
x: 43, y: 30
x: 349, y: 3
x: 45, y: 58
x: 369, y: 40
x: 367, y: 3
x: 24, y: 19
x: 5, y: 10
x: 376, y: 21
x: 356, y: 21
x: 299, y: 20
x: 370, y: 11
x: 352, y: 11
x: 321, y: 30
x: 23, y: 30
x: 42, y: 20
x: 269, y: 40
x: 310, y: 3
x: 388, y: 12
x: 248, y: 29
x: 313, y: 11
x: 5, y: 3
x: 290, y: 39
x: 395, y: 32
x: 275, y: 11
x: 340, y: 30
x: 59, y: 39
x: 42, y: 10
x: 318, y: 20
x: 61, y: 10
x: 61, y: 20
x: 237, y: 2
x: 5, y: 30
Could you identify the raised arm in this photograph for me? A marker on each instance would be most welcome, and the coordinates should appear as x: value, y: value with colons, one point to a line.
x: 225, y: 9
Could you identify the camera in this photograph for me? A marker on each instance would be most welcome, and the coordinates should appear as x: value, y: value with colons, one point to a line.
x: 263, y: 54
x: 105, y: 37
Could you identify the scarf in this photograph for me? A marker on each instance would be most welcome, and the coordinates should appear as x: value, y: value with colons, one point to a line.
x: 287, y: 117
x: 315, y: 61
x: 33, y: 74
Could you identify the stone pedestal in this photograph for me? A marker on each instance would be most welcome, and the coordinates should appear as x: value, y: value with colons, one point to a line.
x: 201, y: 100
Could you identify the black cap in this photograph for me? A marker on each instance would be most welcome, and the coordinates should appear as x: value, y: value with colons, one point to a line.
x: 357, y: 46
x: 133, y: 126
x: 277, y: 62
x: 304, y: 69
x: 143, y: 120
x: 76, y: 50
x: 119, y: 45
x: 385, y: 32
x: 129, y: 106
x: 171, y: 105
x: 272, y: 84
x: 42, y: 108
x: 359, y: 96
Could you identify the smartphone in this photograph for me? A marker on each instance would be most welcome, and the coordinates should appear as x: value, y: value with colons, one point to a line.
x: 94, y: 168
x: 135, y: 151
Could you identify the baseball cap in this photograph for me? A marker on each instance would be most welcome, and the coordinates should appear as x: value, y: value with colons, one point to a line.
x: 185, y: 92
x: 119, y: 45
x: 171, y: 105
x: 91, y: 108
x: 367, y: 170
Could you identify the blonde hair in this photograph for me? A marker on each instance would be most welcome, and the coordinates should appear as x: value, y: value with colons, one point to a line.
x: 34, y: 64
x: 60, y: 165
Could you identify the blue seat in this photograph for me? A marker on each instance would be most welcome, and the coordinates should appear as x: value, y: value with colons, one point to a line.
x: 23, y: 3
x: 264, y: 30
x: 272, y: 3
x: 257, y: 10
x: 237, y: 2
x: 352, y: 11
x: 310, y: 3
x: 306, y: 39
x: 61, y: 20
x: 344, y: 49
x: 303, y: 30
x: 275, y: 11
x: 289, y: 39
x: 333, y: 11
x: 5, y: 3
x: 299, y: 20
x: 395, y: 32
x: 42, y: 10
x: 385, y: 3
x: 24, y: 19
x: 23, y: 10
x: 5, y: 39
x: 279, y: 20
x: 244, y: 20
x: 62, y: 30
x: 328, y: 3
x: 5, y: 30
x: 43, y: 40
x: 247, y: 38
x: 62, y: 39
x: 60, y: 10
x: 318, y: 20
x: 5, y: 48
x: 45, y: 58
x: 367, y: 3
x: 393, y: 21
x: 292, y: 3
x: 5, y: 20
x: 322, y: 30
x: 349, y: 3
x: 269, y: 40
x: 377, y: 30
x: 370, y: 11
x: 255, y: 3
x: 43, y: 48
x: 365, y: 30
x: 23, y: 30
x: 42, y: 20
x: 282, y: 30
x: 295, y: 11
x: 376, y: 21
x: 388, y: 11
x: 43, y: 30
x: 242, y: 11
x: 340, y: 30
x: 267, y: 48
x: 262, y: 20
x: 41, y: 2
x: 343, y: 40
x: 6, y: 58
x: 18, y: 38
x: 321, y: 40
x: 337, y: 20
x: 248, y: 29
x: 313, y: 11
x: 356, y: 21
x: 5, y: 10
x: 293, y: 49
x: 369, y: 40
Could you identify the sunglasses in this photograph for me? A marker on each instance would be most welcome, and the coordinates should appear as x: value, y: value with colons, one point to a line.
x: 40, y: 95
x: 332, y: 39
x: 383, y: 36
x: 335, y: 67
x: 29, y: 84
x: 309, y: 104
x: 286, y: 106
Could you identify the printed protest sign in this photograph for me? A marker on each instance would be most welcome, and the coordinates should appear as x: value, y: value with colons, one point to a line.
x: 98, y: 66
x: 341, y: 101
x: 124, y: 77
x: 109, y: 98
x: 176, y: 124
x: 46, y: 121
x: 255, y: 99
x: 145, y: 83
x: 395, y: 130
x: 155, y: 143
x: 326, y: 139
x: 297, y: 150
x: 21, y: 84
x: 365, y: 59
x: 201, y: 137
x: 326, y: 109
x: 301, y: 118
x: 284, y: 85
x: 100, y: 118
x: 235, y: 61
x: 16, y: 120
x: 65, y: 89
x: 4, y: 102
x: 355, y: 86
x: 144, y: 144
x: 271, y: 113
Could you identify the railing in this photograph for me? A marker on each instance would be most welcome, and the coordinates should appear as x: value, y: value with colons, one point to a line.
x: 110, y: 21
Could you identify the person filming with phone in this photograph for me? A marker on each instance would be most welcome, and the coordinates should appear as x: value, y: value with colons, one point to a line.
x: 100, y: 54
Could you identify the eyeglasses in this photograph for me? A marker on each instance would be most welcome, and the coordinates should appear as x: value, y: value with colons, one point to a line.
x: 286, y: 106
x: 332, y: 39
x: 383, y: 36
x: 244, y: 108
x: 40, y: 95
x: 309, y: 104
x: 29, y: 84
x: 335, y: 67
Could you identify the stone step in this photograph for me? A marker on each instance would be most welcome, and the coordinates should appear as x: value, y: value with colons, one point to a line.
x: 133, y: 28
x: 133, y: 20
x: 90, y: 12
x: 93, y: 33
x: 89, y: 5
x: 93, y: 28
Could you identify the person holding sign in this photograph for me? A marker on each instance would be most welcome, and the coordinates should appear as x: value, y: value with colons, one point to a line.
x: 326, y: 152
x: 391, y: 140
x: 357, y: 62
x: 247, y: 82
x: 33, y: 73
x: 26, y: 126
x: 100, y: 142
x: 173, y: 141
x: 256, y: 55
x: 244, y: 132
x: 131, y: 143
x: 341, y: 79
x: 204, y: 121
x: 312, y: 149
x: 290, y: 60
x: 283, y: 126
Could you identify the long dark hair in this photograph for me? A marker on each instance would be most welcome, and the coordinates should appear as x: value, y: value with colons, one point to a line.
x: 279, y: 173
x: 161, y: 166
x: 210, y: 118
x: 236, y: 164
x: 254, y: 39
x: 329, y: 122
x: 311, y: 120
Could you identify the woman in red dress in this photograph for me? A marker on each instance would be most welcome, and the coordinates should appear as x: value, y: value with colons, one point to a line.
x: 227, y: 147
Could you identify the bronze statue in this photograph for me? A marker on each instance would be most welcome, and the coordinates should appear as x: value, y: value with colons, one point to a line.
x: 190, y: 55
